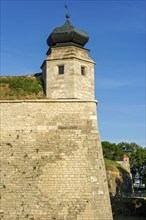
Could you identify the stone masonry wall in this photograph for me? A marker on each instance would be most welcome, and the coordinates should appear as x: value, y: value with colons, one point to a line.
x: 125, y: 164
x: 51, y: 162
x: 71, y: 84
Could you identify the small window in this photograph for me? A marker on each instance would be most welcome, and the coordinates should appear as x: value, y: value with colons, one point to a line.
x: 61, y: 69
x: 83, y: 71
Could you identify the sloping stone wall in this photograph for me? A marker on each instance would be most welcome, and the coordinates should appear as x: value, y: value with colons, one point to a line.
x: 51, y: 162
x: 119, y: 182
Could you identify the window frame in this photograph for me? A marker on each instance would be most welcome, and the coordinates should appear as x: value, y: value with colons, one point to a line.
x: 60, y: 69
x: 83, y: 70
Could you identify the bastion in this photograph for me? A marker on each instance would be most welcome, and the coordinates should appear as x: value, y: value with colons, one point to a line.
x: 52, y: 165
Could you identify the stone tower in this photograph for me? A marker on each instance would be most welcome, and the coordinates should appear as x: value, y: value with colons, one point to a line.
x: 68, y: 74
x: 124, y: 161
x: 52, y: 162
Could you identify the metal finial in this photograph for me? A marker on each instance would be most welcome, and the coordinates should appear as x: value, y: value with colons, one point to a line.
x: 67, y: 14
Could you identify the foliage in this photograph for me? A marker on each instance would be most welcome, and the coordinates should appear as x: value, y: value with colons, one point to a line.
x: 111, y: 151
x: 136, y: 154
x: 20, y: 86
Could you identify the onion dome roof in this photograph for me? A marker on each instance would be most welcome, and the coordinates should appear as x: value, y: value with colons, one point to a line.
x: 67, y: 34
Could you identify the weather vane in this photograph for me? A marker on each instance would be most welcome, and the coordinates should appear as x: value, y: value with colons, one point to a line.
x: 67, y: 12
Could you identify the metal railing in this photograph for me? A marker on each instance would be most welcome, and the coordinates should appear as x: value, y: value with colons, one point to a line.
x: 133, y: 195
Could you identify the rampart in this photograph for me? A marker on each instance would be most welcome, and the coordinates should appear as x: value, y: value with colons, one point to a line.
x: 51, y: 161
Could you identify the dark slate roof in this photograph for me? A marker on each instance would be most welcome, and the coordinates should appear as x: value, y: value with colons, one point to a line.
x: 67, y: 33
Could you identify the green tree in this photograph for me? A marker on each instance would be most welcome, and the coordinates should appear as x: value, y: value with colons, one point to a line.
x: 136, y: 154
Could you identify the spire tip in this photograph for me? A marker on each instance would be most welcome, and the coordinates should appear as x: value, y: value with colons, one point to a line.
x: 67, y: 14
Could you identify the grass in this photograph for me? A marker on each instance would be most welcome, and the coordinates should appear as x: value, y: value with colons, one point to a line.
x: 19, y: 87
x: 111, y: 165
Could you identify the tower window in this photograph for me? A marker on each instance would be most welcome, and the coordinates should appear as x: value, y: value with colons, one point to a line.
x: 61, y: 69
x: 83, y: 72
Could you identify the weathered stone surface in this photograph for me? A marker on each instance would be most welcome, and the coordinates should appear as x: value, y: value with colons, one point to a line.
x: 52, y: 164
x: 119, y: 182
x: 51, y: 161
x: 71, y: 84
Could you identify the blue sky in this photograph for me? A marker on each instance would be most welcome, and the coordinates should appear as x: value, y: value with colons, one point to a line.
x: 117, y: 44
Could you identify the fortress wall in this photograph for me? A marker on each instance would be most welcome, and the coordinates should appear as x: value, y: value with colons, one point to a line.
x: 125, y: 164
x: 51, y: 162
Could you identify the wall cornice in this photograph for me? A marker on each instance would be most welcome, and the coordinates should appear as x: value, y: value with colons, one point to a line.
x: 47, y: 101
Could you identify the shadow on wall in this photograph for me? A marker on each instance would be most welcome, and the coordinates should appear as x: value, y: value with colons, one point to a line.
x: 119, y: 182
x: 124, y: 183
x: 128, y: 207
